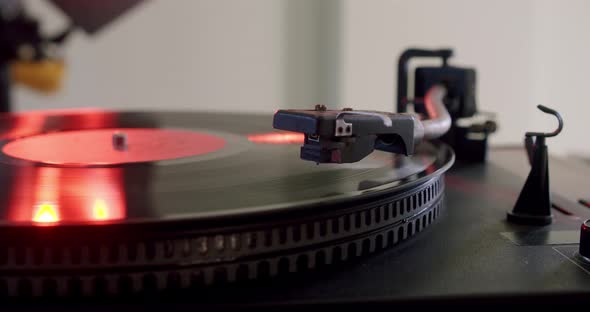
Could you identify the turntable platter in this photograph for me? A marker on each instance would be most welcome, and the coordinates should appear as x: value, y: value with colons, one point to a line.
x: 212, y: 169
x: 214, y: 190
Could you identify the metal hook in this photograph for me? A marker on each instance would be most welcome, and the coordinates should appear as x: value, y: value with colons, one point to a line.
x: 548, y: 110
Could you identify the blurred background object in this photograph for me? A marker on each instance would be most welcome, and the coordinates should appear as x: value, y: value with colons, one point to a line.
x: 92, y: 15
x: 31, y: 58
x: 259, y: 55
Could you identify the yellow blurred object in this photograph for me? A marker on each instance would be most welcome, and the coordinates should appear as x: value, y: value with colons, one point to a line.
x: 44, y: 76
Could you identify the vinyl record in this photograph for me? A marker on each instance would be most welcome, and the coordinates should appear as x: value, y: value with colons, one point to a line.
x: 104, y: 201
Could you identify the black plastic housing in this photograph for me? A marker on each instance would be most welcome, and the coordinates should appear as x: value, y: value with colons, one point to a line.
x: 460, y: 85
x: 469, y: 141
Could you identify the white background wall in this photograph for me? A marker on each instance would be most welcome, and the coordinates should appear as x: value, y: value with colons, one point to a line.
x: 259, y: 55
x: 562, y: 71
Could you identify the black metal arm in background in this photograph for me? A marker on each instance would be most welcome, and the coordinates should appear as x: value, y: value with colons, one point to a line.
x: 402, y: 71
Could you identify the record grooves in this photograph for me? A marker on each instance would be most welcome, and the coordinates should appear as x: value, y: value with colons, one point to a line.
x: 243, y: 212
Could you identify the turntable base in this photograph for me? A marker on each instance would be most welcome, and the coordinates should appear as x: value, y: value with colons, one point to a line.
x: 472, y: 256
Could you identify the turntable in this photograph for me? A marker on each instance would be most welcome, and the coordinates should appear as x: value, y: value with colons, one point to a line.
x: 105, y: 203
x: 216, y: 210
x: 342, y: 208
x: 233, y: 212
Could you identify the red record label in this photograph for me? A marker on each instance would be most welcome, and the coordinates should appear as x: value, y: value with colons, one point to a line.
x: 113, y: 146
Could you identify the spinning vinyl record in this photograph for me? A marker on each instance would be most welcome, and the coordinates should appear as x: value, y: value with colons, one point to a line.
x: 107, y: 202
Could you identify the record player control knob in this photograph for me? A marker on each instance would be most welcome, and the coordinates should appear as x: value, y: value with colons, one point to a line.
x: 585, y: 241
x: 119, y: 141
